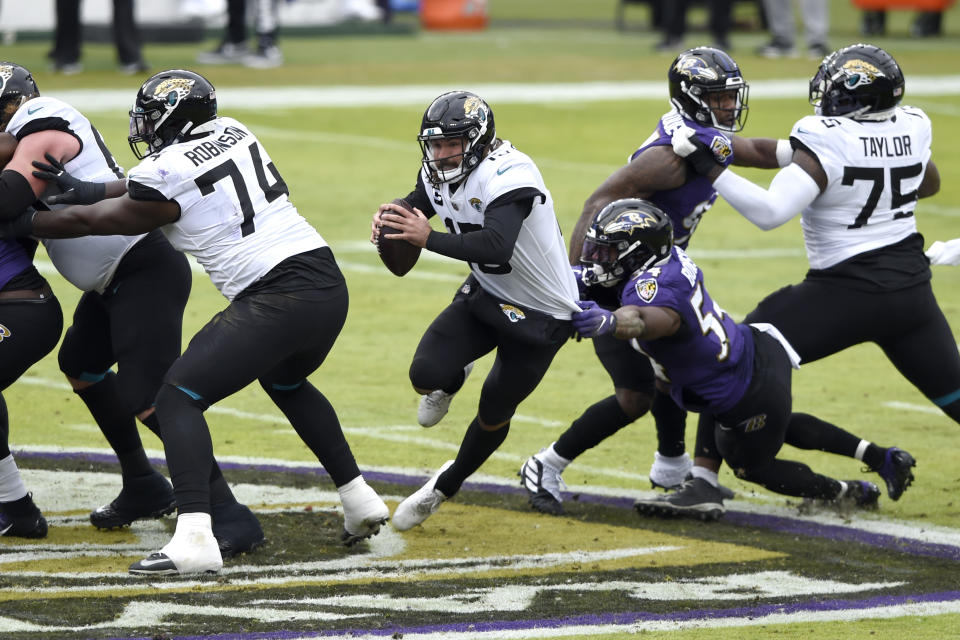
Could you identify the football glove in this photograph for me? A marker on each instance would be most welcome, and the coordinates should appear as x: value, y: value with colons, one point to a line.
x: 688, y: 146
x: 594, y: 320
x: 74, y: 191
x: 945, y: 252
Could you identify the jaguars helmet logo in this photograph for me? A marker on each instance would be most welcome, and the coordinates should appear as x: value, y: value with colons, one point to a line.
x: 721, y: 148
x: 513, y: 314
x: 857, y: 73
x: 647, y: 289
x: 694, y: 67
x: 6, y: 72
x: 630, y: 220
x: 173, y: 90
x: 473, y: 108
x: 4, y: 332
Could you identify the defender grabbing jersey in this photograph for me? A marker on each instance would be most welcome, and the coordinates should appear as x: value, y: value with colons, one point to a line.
x: 736, y: 376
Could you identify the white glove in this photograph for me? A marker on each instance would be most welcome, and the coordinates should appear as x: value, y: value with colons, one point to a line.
x: 945, y: 252
x: 682, y: 146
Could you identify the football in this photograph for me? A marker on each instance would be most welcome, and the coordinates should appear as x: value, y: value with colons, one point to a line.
x: 398, y: 255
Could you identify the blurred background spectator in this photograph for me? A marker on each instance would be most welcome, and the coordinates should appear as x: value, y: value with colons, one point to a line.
x: 815, y: 15
x: 672, y: 15
x: 233, y: 48
x: 68, y: 33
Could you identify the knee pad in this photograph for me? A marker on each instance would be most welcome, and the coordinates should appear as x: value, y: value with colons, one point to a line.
x: 424, y: 374
x: 68, y: 357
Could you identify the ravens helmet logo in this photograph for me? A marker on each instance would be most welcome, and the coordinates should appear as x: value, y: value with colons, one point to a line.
x: 859, y: 72
x: 4, y: 333
x: 694, y: 67
x: 631, y: 220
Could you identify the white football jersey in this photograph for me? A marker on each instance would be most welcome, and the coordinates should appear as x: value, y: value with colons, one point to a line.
x: 90, y: 262
x: 235, y: 216
x: 873, y: 171
x: 538, y: 275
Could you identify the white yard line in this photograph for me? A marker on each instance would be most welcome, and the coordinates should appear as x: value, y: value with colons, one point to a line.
x: 255, y: 98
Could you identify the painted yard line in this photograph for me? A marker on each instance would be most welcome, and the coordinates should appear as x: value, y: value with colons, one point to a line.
x: 918, y: 538
x: 246, y: 98
x: 921, y: 408
x: 879, y: 607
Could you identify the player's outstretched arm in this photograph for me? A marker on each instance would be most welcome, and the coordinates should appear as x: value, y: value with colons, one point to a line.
x: 656, y: 169
x: 115, y: 216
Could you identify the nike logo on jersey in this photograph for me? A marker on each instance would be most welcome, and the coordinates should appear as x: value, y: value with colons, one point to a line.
x: 33, y: 110
x: 502, y: 171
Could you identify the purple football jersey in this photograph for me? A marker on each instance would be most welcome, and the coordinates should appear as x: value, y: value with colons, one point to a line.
x: 13, y: 260
x: 709, y: 361
x: 686, y: 205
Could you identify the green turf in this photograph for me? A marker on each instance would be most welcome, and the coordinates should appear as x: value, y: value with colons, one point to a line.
x: 340, y: 163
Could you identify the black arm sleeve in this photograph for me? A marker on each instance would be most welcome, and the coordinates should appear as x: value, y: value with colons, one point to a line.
x: 420, y: 199
x: 492, y: 244
x: 16, y: 195
x: 138, y: 191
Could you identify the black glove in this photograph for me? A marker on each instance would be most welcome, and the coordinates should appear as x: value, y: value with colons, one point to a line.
x: 697, y: 154
x: 73, y: 191
x: 19, y: 227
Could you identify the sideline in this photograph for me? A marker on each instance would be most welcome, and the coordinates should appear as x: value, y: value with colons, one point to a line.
x: 255, y: 98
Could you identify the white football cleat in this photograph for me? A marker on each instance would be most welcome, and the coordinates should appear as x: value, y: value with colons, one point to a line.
x: 434, y: 405
x: 363, y: 511
x: 669, y: 472
x: 193, y: 549
x: 423, y: 503
x: 542, y: 481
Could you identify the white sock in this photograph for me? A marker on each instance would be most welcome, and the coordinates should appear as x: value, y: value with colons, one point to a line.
x: 352, y: 485
x: 861, y: 449
x: 705, y: 474
x: 197, y: 520
x: 554, y: 459
x: 11, y: 484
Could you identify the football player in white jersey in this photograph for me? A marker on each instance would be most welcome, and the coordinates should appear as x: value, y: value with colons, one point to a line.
x: 30, y: 316
x: 859, y: 166
x: 121, y: 277
x: 520, y: 294
x: 209, y: 185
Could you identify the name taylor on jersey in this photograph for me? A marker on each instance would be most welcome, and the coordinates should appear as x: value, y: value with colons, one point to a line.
x: 893, y: 147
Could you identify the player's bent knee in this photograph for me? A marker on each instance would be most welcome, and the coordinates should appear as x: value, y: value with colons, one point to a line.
x: 175, y: 396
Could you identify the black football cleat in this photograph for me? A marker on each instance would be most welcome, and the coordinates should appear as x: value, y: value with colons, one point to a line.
x: 896, y: 471
x: 236, y: 529
x: 149, y: 496
x: 696, y: 498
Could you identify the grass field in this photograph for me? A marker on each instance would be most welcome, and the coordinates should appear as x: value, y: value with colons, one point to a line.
x: 484, y: 566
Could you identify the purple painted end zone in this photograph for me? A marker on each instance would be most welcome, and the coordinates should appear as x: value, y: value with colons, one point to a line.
x: 624, y: 618
x: 776, y: 523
